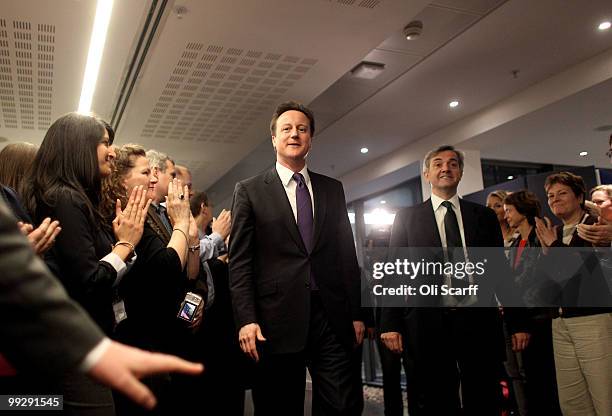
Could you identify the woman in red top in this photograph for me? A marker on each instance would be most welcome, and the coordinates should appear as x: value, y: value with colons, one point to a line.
x: 522, y: 208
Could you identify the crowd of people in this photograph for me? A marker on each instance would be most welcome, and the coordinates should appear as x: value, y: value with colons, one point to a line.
x: 558, y: 355
x: 566, y: 367
x: 116, y: 228
x: 133, y: 243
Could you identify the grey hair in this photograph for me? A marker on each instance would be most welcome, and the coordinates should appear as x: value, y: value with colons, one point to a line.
x: 433, y: 153
x: 157, y: 159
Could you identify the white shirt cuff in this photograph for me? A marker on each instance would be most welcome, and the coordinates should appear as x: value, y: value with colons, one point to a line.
x: 119, y: 265
x: 94, y: 355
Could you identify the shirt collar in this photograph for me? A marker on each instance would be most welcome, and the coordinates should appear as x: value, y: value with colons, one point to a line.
x: 286, y: 174
x: 436, y: 201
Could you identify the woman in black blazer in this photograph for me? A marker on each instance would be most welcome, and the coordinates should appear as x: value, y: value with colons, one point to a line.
x: 167, y: 266
x: 88, y: 257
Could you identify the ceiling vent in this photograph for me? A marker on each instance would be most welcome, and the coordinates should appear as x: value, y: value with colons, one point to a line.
x: 27, y: 54
x: 215, y: 92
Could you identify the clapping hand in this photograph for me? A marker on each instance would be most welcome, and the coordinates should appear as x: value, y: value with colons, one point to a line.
x: 599, y: 234
x: 546, y: 232
x: 177, y: 204
x: 129, y: 223
x: 222, y: 224
x: 43, y: 237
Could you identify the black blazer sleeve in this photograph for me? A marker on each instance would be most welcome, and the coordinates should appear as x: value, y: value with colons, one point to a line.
x: 40, y: 327
x: 161, y: 263
x: 391, y: 317
x: 508, y: 292
x: 77, y: 252
x: 163, y: 268
x: 242, y: 261
x: 14, y: 203
x: 350, y: 266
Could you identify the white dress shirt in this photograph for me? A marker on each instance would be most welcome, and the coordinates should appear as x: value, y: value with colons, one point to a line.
x: 290, y: 185
x: 440, y: 212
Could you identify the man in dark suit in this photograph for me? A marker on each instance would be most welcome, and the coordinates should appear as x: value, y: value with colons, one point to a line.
x: 294, y: 278
x: 449, y: 345
x: 45, y: 333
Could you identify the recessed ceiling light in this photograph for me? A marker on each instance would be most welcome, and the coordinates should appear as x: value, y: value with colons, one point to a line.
x: 368, y: 70
x: 383, y: 202
x: 604, y: 25
x: 364, y: 150
x: 510, y: 177
x: 583, y: 153
x: 453, y: 104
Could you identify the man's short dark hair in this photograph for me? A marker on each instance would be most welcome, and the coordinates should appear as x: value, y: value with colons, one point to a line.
x: 196, y: 201
x: 288, y: 106
x: 574, y: 182
x: 526, y: 203
x: 433, y: 153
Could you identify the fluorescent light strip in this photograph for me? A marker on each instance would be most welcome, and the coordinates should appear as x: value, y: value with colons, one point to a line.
x: 94, y: 56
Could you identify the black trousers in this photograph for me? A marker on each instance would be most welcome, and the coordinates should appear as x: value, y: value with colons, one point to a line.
x: 539, y: 360
x: 458, y: 354
x: 280, y: 379
x: 391, y: 365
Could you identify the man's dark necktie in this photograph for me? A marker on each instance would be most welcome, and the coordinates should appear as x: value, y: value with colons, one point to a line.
x: 454, y: 244
x: 161, y: 210
x: 304, y: 216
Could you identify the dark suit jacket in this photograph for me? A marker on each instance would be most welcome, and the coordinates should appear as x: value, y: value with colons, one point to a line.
x: 41, y: 329
x: 416, y: 227
x: 12, y: 199
x: 270, y: 266
x: 584, y: 287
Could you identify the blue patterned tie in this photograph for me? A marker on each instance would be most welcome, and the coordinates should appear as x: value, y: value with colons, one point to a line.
x: 304, y: 216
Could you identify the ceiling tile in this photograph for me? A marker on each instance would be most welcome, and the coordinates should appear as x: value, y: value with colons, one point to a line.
x: 439, y: 25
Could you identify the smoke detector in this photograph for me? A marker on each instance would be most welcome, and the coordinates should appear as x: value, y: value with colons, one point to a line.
x: 413, y: 30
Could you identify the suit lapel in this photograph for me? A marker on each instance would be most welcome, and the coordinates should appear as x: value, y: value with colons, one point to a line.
x: 157, y: 225
x: 427, y: 221
x: 320, y: 206
x: 470, y: 221
x: 277, y: 193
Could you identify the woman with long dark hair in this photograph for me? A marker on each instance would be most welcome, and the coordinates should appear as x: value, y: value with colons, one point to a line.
x: 88, y: 257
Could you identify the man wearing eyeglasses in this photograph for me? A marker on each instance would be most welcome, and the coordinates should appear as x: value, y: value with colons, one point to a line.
x: 600, y: 233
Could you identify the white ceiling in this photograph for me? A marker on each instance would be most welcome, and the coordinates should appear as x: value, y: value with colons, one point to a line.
x: 557, y: 133
x: 213, y: 75
x: 476, y: 67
